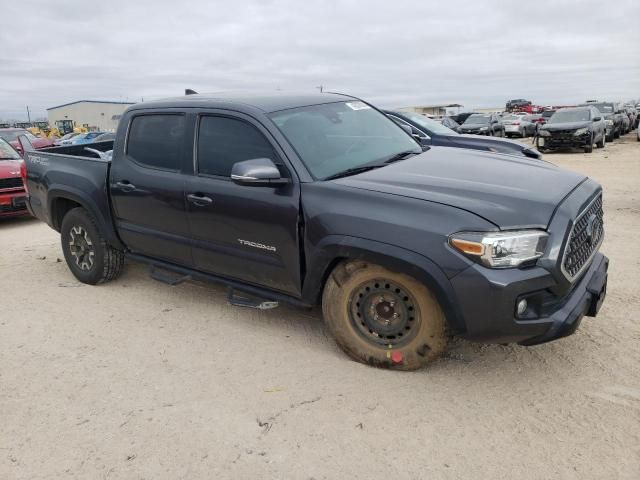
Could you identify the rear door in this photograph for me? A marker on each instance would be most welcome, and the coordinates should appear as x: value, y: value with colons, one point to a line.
x: 242, y: 232
x: 147, y: 183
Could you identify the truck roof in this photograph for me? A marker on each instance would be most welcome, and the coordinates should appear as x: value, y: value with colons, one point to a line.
x: 267, y: 102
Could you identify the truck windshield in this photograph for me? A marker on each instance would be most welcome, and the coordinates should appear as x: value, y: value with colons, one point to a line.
x: 6, y: 152
x: 335, y: 137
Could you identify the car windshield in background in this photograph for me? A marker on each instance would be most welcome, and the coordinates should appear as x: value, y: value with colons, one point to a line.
x: 431, y: 125
x: 570, y: 116
x: 335, y: 137
x: 510, y: 118
x: 7, y: 152
x: 477, y: 119
x: 12, y: 135
x: 603, y: 107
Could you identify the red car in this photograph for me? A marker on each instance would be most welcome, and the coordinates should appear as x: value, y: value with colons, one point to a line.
x: 12, y: 191
x: 11, y: 135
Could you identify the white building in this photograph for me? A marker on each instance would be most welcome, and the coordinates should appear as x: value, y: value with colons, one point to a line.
x: 91, y: 114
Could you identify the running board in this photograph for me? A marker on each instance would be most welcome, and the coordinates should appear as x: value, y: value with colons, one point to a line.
x: 242, y: 299
x: 165, y: 276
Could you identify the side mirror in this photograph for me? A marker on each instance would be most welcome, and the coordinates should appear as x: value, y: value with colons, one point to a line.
x: 597, y: 119
x: 258, y: 172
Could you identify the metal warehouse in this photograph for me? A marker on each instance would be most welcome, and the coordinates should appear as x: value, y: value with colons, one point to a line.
x: 91, y: 114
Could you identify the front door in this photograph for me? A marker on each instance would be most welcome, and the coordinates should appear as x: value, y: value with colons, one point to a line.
x: 242, y: 232
x: 147, y: 188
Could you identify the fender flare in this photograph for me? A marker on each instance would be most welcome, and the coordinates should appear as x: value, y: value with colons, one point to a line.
x: 333, y: 249
x: 56, y: 192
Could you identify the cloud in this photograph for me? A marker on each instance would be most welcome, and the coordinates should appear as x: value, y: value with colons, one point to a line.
x: 391, y: 53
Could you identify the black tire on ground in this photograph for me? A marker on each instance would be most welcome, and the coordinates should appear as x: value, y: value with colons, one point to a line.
x: 616, y: 134
x: 382, y: 318
x: 89, y: 257
x: 589, y: 148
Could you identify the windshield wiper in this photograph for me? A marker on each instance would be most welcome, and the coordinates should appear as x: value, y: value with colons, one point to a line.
x: 371, y: 166
x: 400, y: 156
x: 355, y: 170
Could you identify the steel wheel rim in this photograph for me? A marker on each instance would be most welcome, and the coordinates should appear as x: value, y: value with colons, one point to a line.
x: 81, y: 248
x: 384, y: 313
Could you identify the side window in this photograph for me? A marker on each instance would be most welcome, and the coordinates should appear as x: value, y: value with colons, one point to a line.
x: 224, y: 141
x: 157, y: 140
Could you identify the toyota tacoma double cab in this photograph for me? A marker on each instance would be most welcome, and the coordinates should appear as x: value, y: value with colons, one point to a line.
x: 324, y: 200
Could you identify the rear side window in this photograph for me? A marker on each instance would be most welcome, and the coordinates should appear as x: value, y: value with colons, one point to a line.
x: 157, y: 141
x: 223, y: 141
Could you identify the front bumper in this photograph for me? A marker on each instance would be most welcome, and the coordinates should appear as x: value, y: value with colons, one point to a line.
x: 565, y: 141
x: 488, y: 301
x: 13, y: 204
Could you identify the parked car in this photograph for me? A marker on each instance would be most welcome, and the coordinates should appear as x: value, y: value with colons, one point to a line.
x: 517, y: 104
x: 11, y: 135
x: 105, y: 136
x: 612, y: 120
x: 483, y: 124
x: 450, y: 123
x: 578, y: 127
x: 64, y: 138
x: 519, y: 125
x: 626, y: 121
x: 82, y: 138
x: 432, y: 133
x: 322, y: 199
x: 12, y: 194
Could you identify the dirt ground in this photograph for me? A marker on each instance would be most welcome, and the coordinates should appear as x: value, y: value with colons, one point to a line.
x: 137, y: 379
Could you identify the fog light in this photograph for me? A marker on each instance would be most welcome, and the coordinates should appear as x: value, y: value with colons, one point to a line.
x: 522, y: 307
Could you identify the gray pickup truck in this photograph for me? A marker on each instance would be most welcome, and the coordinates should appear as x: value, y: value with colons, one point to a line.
x: 323, y: 200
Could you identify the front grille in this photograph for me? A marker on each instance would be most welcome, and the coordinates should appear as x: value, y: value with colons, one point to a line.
x: 13, y: 182
x: 585, y: 238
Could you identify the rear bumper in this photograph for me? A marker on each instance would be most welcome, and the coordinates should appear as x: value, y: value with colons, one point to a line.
x: 13, y: 204
x: 488, y: 300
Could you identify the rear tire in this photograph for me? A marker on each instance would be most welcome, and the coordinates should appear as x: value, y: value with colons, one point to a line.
x: 89, y: 257
x: 382, y: 318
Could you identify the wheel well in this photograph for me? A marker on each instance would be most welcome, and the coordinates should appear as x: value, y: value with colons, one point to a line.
x: 59, y: 208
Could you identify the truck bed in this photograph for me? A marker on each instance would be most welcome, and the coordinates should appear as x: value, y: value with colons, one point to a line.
x: 60, y: 175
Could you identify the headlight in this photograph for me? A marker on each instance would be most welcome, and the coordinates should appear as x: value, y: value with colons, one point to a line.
x: 501, y: 249
x: 581, y: 131
x: 544, y: 133
x: 609, y: 123
x: 484, y: 129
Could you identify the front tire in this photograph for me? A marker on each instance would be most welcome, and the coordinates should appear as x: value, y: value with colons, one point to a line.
x: 89, y: 257
x: 382, y: 318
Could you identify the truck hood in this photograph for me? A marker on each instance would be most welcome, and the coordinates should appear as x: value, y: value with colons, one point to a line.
x: 9, y: 168
x: 509, y: 191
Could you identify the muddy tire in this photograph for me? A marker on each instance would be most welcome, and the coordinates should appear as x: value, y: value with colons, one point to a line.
x: 382, y: 318
x: 89, y: 257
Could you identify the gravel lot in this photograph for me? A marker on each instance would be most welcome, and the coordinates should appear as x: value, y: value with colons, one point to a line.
x: 136, y: 379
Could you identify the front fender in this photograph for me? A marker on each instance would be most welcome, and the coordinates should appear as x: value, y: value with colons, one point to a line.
x: 334, y: 248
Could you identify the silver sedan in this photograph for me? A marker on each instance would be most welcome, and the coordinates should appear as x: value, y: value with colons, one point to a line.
x: 519, y: 125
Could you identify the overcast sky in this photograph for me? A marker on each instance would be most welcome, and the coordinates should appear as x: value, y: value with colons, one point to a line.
x: 392, y: 53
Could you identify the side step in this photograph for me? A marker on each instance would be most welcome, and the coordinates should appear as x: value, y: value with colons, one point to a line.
x: 165, y: 276
x: 241, y: 299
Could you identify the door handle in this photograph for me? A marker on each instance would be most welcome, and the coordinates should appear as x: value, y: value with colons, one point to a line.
x: 199, y: 200
x: 125, y: 186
